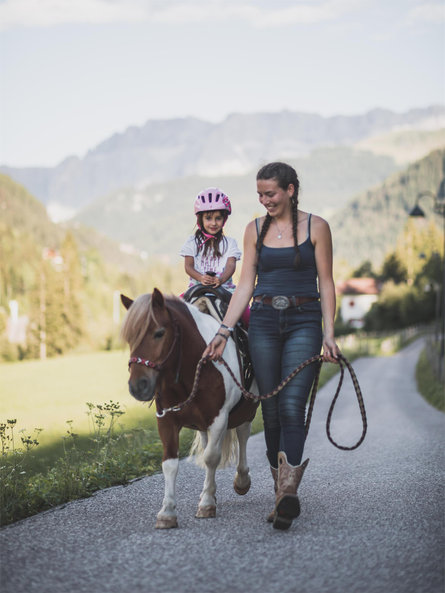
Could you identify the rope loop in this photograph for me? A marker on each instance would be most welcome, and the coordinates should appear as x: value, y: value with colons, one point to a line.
x: 318, y: 359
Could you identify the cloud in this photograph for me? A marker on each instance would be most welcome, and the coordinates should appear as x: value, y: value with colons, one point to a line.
x: 427, y: 13
x: 45, y: 13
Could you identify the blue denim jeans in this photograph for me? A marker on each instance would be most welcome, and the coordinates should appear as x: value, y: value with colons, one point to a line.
x: 279, y: 341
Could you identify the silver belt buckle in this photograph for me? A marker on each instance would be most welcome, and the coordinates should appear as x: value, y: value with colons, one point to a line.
x: 280, y: 302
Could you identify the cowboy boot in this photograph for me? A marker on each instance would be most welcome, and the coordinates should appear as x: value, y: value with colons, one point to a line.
x: 274, y: 472
x: 287, y: 505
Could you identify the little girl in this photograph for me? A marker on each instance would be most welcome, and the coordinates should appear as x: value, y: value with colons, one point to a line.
x: 210, y: 257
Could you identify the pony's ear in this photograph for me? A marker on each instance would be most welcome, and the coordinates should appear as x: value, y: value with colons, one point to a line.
x: 126, y: 301
x: 157, y: 298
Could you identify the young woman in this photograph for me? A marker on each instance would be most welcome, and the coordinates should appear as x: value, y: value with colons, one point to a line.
x: 287, y: 269
x: 209, y: 256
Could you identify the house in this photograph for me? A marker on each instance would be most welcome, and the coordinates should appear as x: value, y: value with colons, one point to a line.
x: 357, y: 296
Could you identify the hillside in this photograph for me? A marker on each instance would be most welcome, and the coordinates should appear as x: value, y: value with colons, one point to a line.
x: 165, y: 150
x: 366, y: 212
x: 65, y: 280
x: 404, y: 146
x: 25, y: 220
x: 142, y: 216
x: 369, y: 226
x: 23, y: 213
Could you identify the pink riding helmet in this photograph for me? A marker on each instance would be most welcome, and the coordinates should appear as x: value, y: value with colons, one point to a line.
x: 212, y: 198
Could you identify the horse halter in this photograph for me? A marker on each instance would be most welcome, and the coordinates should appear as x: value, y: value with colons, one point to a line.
x: 157, y: 366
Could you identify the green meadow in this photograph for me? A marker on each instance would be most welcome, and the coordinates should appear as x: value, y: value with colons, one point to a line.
x: 46, y: 394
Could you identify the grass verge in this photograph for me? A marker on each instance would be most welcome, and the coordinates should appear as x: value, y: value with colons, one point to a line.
x: 108, y: 456
x: 427, y: 383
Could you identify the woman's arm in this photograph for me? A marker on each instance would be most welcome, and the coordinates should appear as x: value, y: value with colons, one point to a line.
x: 241, y: 296
x: 322, y: 240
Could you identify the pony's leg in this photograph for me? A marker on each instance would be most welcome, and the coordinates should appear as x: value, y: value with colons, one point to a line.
x: 167, y: 517
x: 241, y: 483
x: 204, y: 439
x: 212, y: 457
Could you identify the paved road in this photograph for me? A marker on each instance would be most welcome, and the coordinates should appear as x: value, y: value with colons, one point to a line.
x: 372, y: 520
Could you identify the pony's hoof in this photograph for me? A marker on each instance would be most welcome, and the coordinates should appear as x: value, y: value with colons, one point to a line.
x: 166, y: 523
x: 207, y: 512
x: 241, y: 490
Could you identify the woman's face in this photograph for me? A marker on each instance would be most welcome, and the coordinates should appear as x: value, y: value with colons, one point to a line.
x: 275, y: 199
x: 212, y: 221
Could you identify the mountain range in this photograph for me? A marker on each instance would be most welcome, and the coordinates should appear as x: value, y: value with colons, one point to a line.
x: 166, y: 150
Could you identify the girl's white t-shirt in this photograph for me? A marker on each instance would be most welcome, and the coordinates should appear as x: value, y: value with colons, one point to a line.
x: 210, y: 263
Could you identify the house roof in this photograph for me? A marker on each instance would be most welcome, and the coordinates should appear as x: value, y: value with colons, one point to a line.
x: 358, y: 286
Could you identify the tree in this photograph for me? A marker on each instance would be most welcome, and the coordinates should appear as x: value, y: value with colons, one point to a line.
x: 364, y: 270
x: 393, y: 269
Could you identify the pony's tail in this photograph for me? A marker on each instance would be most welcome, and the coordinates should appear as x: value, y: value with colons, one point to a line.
x: 229, y: 450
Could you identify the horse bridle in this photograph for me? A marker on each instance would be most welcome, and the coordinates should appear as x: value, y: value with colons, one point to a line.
x: 158, y: 366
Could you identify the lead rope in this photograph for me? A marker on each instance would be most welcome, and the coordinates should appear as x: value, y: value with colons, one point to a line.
x: 342, y: 361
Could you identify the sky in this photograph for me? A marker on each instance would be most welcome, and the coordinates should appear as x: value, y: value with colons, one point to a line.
x: 75, y: 72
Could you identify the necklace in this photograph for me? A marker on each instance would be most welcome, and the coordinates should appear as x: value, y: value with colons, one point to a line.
x: 280, y: 233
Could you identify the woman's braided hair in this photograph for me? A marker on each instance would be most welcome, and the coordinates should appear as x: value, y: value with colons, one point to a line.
x: 284, y: 175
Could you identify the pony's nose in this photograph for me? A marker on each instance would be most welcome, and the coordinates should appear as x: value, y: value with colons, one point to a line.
x: 140, y: 389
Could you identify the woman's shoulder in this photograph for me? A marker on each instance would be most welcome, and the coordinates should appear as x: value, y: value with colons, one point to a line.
x: 254, y: 226
x: 319, y: 228
x: 317, y: 222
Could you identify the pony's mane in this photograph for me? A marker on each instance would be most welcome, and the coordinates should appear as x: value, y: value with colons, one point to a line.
x: 139, y: 315
x: 136, y: 321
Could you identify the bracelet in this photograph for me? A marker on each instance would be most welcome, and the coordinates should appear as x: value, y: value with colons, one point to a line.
x: 229, y: 329
x: 222, y: 335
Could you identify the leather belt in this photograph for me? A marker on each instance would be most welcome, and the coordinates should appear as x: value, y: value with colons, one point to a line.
x: 281, y: 302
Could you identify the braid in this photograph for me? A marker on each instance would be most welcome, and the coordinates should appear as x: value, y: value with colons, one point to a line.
x: 294, y: 204
x: 285, y: 175
x: 264, y: 230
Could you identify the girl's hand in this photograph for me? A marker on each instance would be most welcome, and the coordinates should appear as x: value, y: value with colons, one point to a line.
x: 330, y: 350
x: 216, y: 348
x: 207, y: 280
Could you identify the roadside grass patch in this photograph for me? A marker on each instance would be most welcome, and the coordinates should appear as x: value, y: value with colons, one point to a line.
x: 427, y: 383
x: 107, y: 457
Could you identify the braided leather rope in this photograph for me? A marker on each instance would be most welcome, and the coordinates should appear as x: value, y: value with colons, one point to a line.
x: 342, y: 361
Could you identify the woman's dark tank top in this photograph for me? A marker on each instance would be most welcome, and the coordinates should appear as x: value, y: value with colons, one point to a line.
x: 277, y: 274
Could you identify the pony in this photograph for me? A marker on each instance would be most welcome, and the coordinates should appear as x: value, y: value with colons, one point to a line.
x: 167, y: 337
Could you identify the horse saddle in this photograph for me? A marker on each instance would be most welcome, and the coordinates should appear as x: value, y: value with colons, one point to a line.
x: 215, y: 302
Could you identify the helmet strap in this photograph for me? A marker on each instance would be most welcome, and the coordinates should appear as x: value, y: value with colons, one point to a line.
x: 206, y: 235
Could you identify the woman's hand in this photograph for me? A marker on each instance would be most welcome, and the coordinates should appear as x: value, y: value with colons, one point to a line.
x: 330, y: 350
x: 216, y: 348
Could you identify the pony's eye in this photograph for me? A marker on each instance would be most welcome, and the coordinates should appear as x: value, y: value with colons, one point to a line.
x: 159, y: 332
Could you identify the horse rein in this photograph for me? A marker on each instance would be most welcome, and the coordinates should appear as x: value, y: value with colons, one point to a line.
x: 342, y: 361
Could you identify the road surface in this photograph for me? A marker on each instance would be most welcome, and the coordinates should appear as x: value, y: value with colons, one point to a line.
x: 372, y: 519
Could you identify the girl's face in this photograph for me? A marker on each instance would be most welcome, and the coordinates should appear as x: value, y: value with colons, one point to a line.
x: 275, y: 199
x: 212, y: 221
